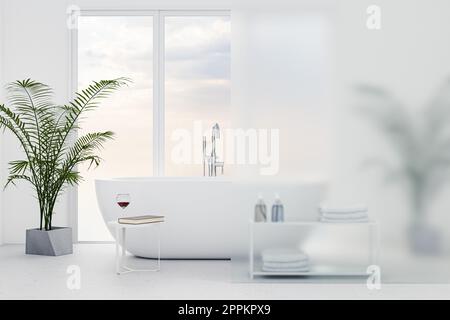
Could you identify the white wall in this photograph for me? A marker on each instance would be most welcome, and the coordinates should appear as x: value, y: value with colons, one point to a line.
x: 38, y: 51
x: 1, y: 99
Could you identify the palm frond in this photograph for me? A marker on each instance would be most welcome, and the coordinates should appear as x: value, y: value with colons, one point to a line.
x: 392, y: 119
x: 12, y: 121
x: 87, y: 100
x: 90, y: 97
x: 32, y: 100
x: 18, y: 166
x: 84, y: 146
x: 71, y: 177
x: 11, y: 179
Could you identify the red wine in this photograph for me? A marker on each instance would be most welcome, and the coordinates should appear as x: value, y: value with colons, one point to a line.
x: 123, y: 204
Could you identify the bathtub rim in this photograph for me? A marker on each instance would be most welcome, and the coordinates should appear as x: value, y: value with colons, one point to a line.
x: 299, y: 182
x: 163, y: 179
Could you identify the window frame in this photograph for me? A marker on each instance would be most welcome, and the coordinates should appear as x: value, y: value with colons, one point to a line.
x: 158, y: 152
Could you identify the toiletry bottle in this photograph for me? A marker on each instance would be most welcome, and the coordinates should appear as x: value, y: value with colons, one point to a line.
x: 260, y: 210
x: 277, y: 210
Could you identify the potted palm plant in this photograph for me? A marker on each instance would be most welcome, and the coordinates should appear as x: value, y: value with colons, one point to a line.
x: 51, y: 151
x: 421, y: 141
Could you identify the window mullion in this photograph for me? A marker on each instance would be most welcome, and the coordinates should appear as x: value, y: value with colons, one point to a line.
x: 158, y: 95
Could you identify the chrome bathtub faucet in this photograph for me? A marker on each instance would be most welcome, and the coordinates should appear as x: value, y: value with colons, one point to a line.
x: 211, y: 161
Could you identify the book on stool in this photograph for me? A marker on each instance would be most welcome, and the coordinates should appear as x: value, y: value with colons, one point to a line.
x: 141, y: 219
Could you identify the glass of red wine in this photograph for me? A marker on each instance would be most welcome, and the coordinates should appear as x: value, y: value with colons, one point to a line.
x: 123, y: 200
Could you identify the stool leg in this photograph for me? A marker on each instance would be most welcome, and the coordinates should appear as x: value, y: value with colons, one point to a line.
x: 159, y: 246
x: 124, y: 239
x: 117, y: 250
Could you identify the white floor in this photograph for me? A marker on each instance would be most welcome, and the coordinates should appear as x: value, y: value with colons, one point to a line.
x: 35, y: 277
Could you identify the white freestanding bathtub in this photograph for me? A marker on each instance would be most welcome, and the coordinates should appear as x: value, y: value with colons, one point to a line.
x: 205, y: 217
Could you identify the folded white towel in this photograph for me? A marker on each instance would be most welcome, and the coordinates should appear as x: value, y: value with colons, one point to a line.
x: 357, y: 215
x: 283, y: 255
x: 286, y: 265
x: 344, y: 214
x: 344, y: 220
x: 349, y: 209
x: 268, y: 269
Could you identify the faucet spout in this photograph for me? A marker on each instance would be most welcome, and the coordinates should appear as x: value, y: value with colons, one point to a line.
x: 212, y: 160
x: 216, y: 131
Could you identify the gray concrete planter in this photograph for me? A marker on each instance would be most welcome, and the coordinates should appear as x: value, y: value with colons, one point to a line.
x: 55, y: 242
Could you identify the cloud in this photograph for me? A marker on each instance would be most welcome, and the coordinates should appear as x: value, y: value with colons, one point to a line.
x: 198, y: 47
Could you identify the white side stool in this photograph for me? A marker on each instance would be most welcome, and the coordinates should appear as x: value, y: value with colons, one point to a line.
x: 121, y: 232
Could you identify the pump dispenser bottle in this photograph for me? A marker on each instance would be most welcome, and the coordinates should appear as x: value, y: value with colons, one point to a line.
x: 277, y: 210
x: 260, y: 210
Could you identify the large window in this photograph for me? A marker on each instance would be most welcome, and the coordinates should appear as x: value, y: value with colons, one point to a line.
x: 179, y: 64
